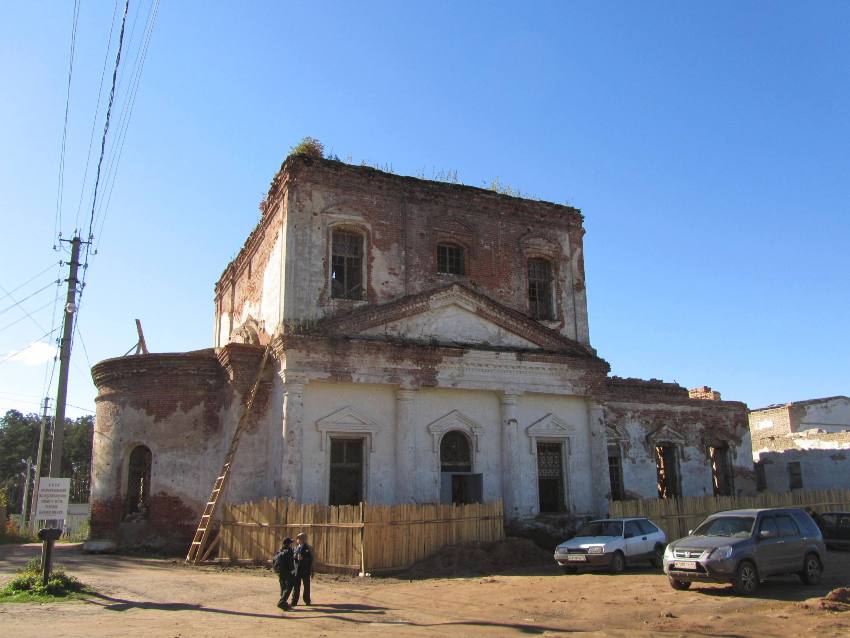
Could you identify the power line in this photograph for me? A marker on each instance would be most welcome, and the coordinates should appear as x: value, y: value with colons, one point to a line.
x: 30, y: 296
x: 60, y: 187
x: 108, y: 117
x: 13, y: 354
x: 96, y: 113
x: 126, y: 114
x: 33, y: 278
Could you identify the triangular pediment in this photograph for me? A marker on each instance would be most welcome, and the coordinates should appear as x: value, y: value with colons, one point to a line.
x: 453, y: 315
x: 453, y: 322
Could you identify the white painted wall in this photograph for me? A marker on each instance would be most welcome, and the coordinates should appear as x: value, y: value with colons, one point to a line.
x: 831, y: 416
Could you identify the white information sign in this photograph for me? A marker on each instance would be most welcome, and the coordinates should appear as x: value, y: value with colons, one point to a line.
x: 53, y: 496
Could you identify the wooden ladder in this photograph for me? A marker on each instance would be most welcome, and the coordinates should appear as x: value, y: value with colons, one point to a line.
x: 199, y: 542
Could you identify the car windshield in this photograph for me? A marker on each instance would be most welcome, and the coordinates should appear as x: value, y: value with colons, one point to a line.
x: 738, y: 526
x: 601, y: 528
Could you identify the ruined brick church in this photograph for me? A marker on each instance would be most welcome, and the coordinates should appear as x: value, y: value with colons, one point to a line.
x: 430, y: 344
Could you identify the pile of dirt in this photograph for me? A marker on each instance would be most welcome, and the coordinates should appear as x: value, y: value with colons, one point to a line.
x: 837, y: 600
x: 479, y: 559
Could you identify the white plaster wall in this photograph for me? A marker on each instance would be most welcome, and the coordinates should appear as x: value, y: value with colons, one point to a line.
x: 821, y: 469
x: 377, y: 403
x: 267, y: 309
x: 374, y: 402
x: 830, y: 416
x: 573, y: 412
x: 483, y: 408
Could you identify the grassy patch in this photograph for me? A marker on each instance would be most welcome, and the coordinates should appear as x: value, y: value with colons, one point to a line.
x: 26, y: 586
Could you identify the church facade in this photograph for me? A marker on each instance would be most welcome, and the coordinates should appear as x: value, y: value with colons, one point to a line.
x: 429, y: 343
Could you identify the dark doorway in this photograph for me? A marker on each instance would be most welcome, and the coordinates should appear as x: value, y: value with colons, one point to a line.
x: 139, y: 481
x: 346, y: 476
x: 667, y: 471
x: 721, y: 470
x: 550, y: 477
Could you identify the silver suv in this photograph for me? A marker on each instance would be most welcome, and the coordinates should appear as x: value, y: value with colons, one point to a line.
x: 743, y: 547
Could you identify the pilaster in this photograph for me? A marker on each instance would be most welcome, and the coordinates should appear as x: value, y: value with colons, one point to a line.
x: 405, y: 447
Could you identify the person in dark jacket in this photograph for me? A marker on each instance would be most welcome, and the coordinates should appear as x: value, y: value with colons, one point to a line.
x: 284, y: 564
x: 303, y: 569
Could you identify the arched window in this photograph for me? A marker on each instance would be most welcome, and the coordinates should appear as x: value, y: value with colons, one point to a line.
x: 346, y: 265
x: 450, y: 259
x: 455, y: 454
x: 540, y: 288
x: 139, y: 481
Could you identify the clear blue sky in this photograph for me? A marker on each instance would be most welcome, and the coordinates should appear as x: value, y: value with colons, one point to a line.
x: 706, y: 143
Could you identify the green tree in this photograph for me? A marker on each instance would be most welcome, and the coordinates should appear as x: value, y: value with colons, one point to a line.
x: 19, y: 440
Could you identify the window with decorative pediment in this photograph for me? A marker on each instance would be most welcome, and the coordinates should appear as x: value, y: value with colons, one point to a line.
x: 455, y: 453
x: 450, y: 259
x: 346, y: 264
x: 540, y: 302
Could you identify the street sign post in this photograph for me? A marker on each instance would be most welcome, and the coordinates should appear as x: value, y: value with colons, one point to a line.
x: 53, y: 494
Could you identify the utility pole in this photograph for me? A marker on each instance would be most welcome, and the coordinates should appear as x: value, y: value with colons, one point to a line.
x: 39, y: 464
x: 25, y: 501
x: 65, y: 360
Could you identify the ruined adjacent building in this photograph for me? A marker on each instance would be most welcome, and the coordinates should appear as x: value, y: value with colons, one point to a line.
x: 802, y: 445
x: 430, y: 344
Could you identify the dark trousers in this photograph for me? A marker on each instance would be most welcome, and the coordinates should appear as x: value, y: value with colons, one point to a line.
x: 299, y: 580
x: 287, y: 582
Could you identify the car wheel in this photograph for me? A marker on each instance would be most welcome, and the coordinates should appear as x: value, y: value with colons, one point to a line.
x: 746, y: 579
x: 618, y: 562
x: 812, y: 570
x: 680, y: 585
x: 657, y: 559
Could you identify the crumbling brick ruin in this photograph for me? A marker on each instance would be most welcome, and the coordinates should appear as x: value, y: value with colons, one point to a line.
x: 430, y: 344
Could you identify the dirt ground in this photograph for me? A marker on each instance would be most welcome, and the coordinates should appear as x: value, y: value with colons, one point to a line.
x: 155, y: 597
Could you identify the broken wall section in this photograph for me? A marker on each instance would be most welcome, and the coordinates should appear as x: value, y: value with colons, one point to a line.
x: 661, y: 443
x: 162, y: 428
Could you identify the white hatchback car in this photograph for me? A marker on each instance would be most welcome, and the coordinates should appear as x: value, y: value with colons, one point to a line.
x: 614, y: 543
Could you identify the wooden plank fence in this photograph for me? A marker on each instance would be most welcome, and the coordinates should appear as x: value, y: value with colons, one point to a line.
x: 364, y: 538
x: 678, y: 515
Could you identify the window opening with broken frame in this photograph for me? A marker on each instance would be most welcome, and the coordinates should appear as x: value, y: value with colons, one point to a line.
x: 450, y: 259
x: 346, y: 265
x: 615, y: 473
x: 346, y: 471
x: 550, y: 477
x: 139, y: 481
x: 721, y: 470
x: 667, y: 471
x: 540, y: 288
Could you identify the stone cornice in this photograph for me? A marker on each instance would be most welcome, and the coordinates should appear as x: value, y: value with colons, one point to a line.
x: 200, y: 363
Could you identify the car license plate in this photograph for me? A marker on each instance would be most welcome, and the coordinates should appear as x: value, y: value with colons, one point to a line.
x: 685, y: 564
x: 577, y: 557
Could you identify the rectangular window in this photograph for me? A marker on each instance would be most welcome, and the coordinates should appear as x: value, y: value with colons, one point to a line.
x: 346, y: 475
x: 550, y: 477
x: 761, y: 477
x: 540, y: 288
x: 346, y: 265
x: 667, y: 471
x: 795, y: 476
x: 450, y: 259
x: 615, y: 472
x: 721, y: 470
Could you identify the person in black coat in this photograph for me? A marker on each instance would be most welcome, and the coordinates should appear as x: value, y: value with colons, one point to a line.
x: 284, y: 564
x: 303, y: 569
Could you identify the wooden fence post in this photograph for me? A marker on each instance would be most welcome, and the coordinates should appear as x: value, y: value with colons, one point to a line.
x: 362, y: 540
